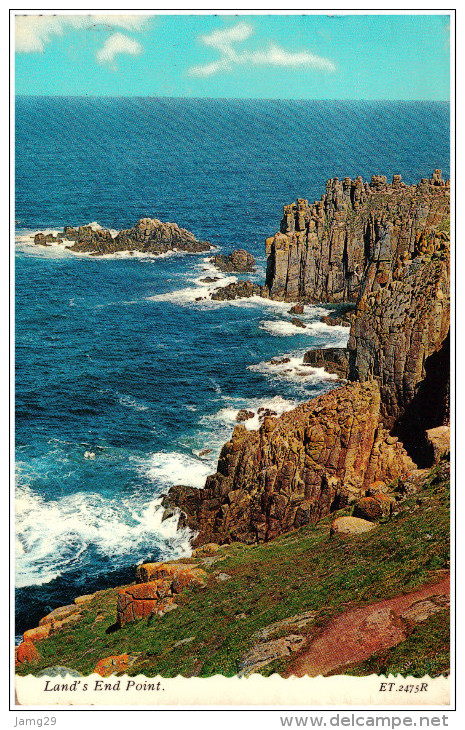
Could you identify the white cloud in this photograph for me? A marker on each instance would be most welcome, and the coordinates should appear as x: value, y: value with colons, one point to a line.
x: 279, y: 57
x: 33, y: 32
x: 118, y: 43
x: 223, y: 40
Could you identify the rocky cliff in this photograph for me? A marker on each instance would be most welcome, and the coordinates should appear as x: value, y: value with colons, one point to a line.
x: 295, y: 469
x: 322, y: 250
x: 148, y: 235
x: 388, y: 247
x: 400, y: 337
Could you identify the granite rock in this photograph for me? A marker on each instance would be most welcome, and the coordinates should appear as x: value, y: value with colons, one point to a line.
x: 239, y: 260
x: 295, y: 469
x: 148, y: 235
x: 322, y: 249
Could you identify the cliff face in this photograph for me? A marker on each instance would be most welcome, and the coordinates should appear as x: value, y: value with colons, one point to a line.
x: 296, y: 468
x: 388, y: 247
x: 322, y: 250
x: 400, y: 337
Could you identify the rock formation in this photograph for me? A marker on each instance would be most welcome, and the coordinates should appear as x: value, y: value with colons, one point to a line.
x: 239, y: 290
x: 387, y: 247
x: 321, y: 251
x: 149, y: 235
x: 334, y: 360
x: 400, y: 337
x: 295, y: 469
x: 41, y: 239
x: 239, y: 260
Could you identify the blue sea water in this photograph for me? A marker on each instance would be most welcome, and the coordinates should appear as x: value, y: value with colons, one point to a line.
x: 123, y: 379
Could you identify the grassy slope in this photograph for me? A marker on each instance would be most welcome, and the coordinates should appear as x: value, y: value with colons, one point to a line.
x: 303, y: 570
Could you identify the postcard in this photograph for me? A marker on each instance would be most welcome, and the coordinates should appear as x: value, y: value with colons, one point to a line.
x: 232, y: 330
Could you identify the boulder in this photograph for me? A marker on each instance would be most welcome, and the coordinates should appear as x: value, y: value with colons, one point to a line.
x: 298, y: 323
x: 377, y: 487
x: 59, y: 614
x: 58, y: 671
x: 351, y: 525
x: 239, y: 290
x: 27, y: 652
x: 297, y: 309
x: 439, y: 440
x: 118, y: 664
x: 38, y: 633
x: 186, y: 575
x: 368, y: 508
x: 140, y: 601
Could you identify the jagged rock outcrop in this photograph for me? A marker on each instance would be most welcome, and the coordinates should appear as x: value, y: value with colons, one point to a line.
x: 239, y: 260
x: 341, y: 317
x: 239, y: 290
x: 41, y: 239
x: 149, y: 235
x: 157, y: 585
x: 334, y: 360
x: 295, y: 469
x: 321, y: 251
x: 387, y: 247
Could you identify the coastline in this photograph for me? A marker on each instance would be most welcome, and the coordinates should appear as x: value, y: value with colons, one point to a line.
x: 244, y: 440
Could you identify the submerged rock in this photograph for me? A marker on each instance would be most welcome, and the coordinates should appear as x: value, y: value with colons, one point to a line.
x: 264, y: 653
x: 439, y: 440
x: 118, y: 664
x: 157, y: 586
x: 59, y: 671
x: 44, y: 240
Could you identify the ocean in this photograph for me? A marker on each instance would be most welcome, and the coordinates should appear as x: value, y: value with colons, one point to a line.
x: 125, y: 383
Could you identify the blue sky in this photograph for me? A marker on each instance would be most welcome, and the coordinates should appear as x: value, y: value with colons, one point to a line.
x: 290, y: 57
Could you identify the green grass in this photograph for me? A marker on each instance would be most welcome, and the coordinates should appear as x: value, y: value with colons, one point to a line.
x: 303, y: 570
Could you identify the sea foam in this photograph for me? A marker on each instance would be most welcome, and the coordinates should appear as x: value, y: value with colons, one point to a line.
x: 52, y: 537
x: 292, y: 367
x: 169, y: 468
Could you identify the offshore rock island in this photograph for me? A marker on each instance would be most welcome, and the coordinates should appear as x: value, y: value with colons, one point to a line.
x: 336, y: 506
x: 148, y: 235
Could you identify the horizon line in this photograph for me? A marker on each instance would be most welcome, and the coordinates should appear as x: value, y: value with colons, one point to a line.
x: 220, y: 98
